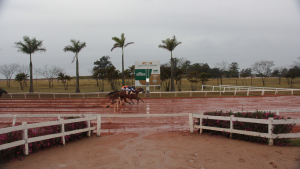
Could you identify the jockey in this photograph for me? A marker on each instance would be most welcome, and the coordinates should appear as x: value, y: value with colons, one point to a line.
x: 128, y: 89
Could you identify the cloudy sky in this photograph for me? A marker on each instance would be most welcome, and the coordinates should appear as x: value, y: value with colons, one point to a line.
x: 242, y: 31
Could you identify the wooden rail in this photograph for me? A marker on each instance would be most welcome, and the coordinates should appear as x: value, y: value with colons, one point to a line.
x: 271, y: 122
x: 222, y: 89
x: 88, y: 117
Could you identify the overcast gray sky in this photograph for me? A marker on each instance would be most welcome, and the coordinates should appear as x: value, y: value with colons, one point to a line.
x: 242, y: 31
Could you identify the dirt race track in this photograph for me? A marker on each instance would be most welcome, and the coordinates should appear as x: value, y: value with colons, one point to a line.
x: 162, y: 142
x: 150, y: 106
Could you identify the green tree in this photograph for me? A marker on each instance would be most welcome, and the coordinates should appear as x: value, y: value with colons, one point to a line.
x: 120, y: 43
x: 64, y: 78
x: 233, y: 69
x: 165, y: 72
x: 21, y: 77
x: 75, y: 47
x: 194, y: 79
x: 29, y: 47
x: 99, y: 70
x: 203, y: 77
x: 170, y: 45
x: 132, y: 73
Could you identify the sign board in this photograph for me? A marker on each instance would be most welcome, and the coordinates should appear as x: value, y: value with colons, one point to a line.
x: 147, y: 69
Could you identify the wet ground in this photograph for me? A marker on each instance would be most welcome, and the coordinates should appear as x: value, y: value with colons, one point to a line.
x: 150, y: 106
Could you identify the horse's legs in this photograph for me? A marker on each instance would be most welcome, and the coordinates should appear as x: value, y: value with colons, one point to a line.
x: 140, y: 99
x: 126, y: 100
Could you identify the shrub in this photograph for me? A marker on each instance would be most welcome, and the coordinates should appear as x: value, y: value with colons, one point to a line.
x: 17, y: 152
x: 256, y: 127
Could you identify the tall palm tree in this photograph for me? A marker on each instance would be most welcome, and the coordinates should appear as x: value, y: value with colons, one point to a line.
x: 170, y: 45
x: 29, y: 47
x: 75, y: 47
x: 120, y: 43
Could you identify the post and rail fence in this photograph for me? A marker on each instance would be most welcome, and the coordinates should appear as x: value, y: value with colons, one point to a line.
x: 88, y: 117
x: 222, y: 89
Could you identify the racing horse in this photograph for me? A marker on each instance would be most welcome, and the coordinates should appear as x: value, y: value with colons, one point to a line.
x: 2, y: 91
x: 122, y: 94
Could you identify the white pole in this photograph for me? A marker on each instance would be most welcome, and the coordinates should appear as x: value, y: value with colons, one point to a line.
x: 191, y: 123
x: 98, y: 125
x: 62, y: 131
x: 14, y: 120
x: 25, y: 137
x: 270, y: 128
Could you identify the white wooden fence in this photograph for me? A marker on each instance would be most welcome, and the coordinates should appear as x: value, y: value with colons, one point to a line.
x: 222, y: 89
x: 88, y: 117
x: 271, y: 122
x: 249, y: 89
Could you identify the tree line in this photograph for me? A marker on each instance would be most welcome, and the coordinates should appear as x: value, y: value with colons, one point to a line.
x: 174, y: 70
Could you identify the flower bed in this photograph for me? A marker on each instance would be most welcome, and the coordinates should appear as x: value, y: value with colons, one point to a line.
x: 17, y: 152
x: 255, y: 127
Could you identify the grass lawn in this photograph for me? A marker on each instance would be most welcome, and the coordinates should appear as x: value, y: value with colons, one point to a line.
x: 90, y: 85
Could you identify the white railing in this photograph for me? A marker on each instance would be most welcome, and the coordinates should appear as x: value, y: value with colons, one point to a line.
x: 271, y: 122
x: 89, y: 117
x: 222, y: 89
x: 25, y: 141
x: 248, y: 89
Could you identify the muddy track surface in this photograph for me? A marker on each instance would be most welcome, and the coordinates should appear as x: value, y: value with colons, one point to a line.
x: 150, y: 106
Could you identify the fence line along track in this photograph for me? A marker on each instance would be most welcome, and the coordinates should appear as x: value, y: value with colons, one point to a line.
x: 237, y: 89
x: 88, y: 117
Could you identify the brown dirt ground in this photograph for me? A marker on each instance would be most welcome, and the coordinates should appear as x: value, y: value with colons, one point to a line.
x: 161, y: 150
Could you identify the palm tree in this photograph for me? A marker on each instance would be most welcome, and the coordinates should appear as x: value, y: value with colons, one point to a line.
x: 170, y: 45
x: 75, y: 48
x: 120, y: 43
x: 29, y: 47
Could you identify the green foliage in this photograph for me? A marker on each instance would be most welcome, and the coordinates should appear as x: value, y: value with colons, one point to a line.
x: 75, y: 47
x: 30, y: 45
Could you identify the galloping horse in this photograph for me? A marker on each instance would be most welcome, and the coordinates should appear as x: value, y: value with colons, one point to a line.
x: 2, y: 91
x: 122, y: 94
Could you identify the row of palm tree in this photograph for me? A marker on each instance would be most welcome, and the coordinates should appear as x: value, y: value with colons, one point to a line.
x: 30, y: 46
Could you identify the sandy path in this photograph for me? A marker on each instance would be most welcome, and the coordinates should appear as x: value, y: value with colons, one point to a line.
x: 161, y: 150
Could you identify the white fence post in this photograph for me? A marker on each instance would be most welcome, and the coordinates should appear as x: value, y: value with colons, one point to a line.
x: 277, y: 112
x: 25, y: 137
x: 191, y: 123
x: 62, y: 131
x: 14, y: 120
x: 248, y: 91
x: 200, y: 125
x: 231, y: 125
x: 99, y: 125
x: 270, y: 128
x: 235, y: 92
x: 213, y: 88
x: 224, y: 90
x: 11, y: 96
x: 88, y: 126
